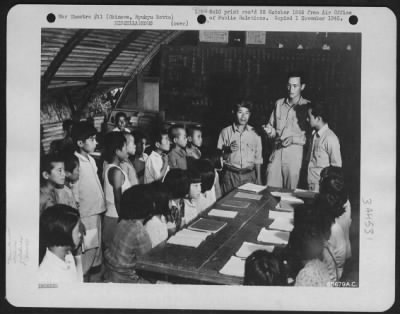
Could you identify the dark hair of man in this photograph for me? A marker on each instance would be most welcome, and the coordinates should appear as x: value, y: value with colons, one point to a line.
x: 299, y: 74
x: 319, y: 109
x: 113, y: 141
x: 66, y: 124
x: 242, y: 104
x: 177, y: 183
x: 263, y: 268
x: 56, y: 225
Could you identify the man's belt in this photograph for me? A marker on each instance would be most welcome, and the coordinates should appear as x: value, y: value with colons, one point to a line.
x: 237, y: 170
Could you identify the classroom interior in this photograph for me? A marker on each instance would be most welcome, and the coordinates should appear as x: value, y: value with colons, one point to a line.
x: 164, y: 77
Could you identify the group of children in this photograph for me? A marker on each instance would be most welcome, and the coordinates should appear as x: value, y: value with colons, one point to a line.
x: 138, y: 199
x: 134, y: 203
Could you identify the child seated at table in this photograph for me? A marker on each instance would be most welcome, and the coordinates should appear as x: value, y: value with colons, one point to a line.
x: 59, y: 233
x: 331, y: 201
x: 177, y: 184
x: 52, y: 175
x: 140, y: 158
x: 130, y: 238
x: 192, y: 199
x: 156, y: 225
x: 157, y: 163
x: 127, y: 165
x: 207, y: 174
x: 177, y: 155
x: 263, y: 268
x: 307, y: 243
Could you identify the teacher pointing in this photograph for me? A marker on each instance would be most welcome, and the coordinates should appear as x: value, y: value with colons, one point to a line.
x: 286, y: 127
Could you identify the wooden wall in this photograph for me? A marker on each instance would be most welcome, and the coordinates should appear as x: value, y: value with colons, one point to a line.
x: 201, y: 83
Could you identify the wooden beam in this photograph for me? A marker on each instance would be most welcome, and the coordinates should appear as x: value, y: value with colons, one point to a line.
x: 62, y: 55
x: 132, y: 36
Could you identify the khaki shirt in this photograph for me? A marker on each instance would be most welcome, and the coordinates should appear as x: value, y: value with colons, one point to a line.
x: 285, y: 123
x: 249, y: 152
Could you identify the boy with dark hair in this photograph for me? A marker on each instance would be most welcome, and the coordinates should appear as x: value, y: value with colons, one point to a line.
x: 156, y: 166
x: 194, y: 142
x: 90, y: 195
x: 286, y: 127
x: 177, y: 155
x: 242, y: 149
x: 52, y: 175
x: 325, y: 147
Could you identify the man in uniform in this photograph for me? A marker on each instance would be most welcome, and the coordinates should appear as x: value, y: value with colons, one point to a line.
x: 286, y: 127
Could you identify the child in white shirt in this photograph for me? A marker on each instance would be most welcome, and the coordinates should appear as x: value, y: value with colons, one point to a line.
x: 157, y: 164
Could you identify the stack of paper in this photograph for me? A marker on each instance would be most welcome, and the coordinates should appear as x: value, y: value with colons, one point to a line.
x: 251, y: 196
x: 251, y: 187
x: 248, y: 248
x: 207, y: 225
x: 304, y: 193
x: 273, y: 236
x: 222, y: 213
x: 282, y: 224
x: 234, y: 267
x: 187, y: 237
x: 273, y: 214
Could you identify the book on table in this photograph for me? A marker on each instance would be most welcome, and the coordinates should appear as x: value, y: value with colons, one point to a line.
x: 207, y: 225
x: 251, y: 187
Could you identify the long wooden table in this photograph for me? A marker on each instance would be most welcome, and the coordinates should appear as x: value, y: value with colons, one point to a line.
x: 201, y: 265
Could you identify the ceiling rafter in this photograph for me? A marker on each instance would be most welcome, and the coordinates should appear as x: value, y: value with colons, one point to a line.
x: 62, y: 55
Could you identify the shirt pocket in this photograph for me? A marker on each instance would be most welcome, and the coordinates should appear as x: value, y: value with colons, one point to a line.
x: 321, y: 157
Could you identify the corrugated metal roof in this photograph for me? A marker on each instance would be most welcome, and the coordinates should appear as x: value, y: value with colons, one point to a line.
x: 72, y: 57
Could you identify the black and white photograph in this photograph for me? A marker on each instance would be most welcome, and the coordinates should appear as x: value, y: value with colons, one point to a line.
x: 199, y: 158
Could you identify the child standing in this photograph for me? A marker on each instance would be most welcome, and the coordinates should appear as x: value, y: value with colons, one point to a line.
x: 115, y: 181
x: 59, y: 232
x: 177, y: 155
x: 52, y: 175
x: 71, y: 164
x: 90, y: 195
x: 127, y: 165
x: 243, y: 150
x: 140, y: 158
x: 157, y: 164
x: 120, y: 123
x: 194, y: 142
x: 325, y: 147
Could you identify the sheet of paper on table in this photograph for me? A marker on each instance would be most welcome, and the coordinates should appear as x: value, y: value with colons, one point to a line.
x: 273, y: 236
x: 247, y: 248
x: 304, y: 193
x: 250, y: 196
x: 251, y: 187
x: 193, y: 234
x: 185, y: 240
x: 222, y: 213
x: 282, y: 224
x: 273, y: 214
x: 234, y: 267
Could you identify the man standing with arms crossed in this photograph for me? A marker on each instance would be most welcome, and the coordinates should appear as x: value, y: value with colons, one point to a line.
x: 287, y: 128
